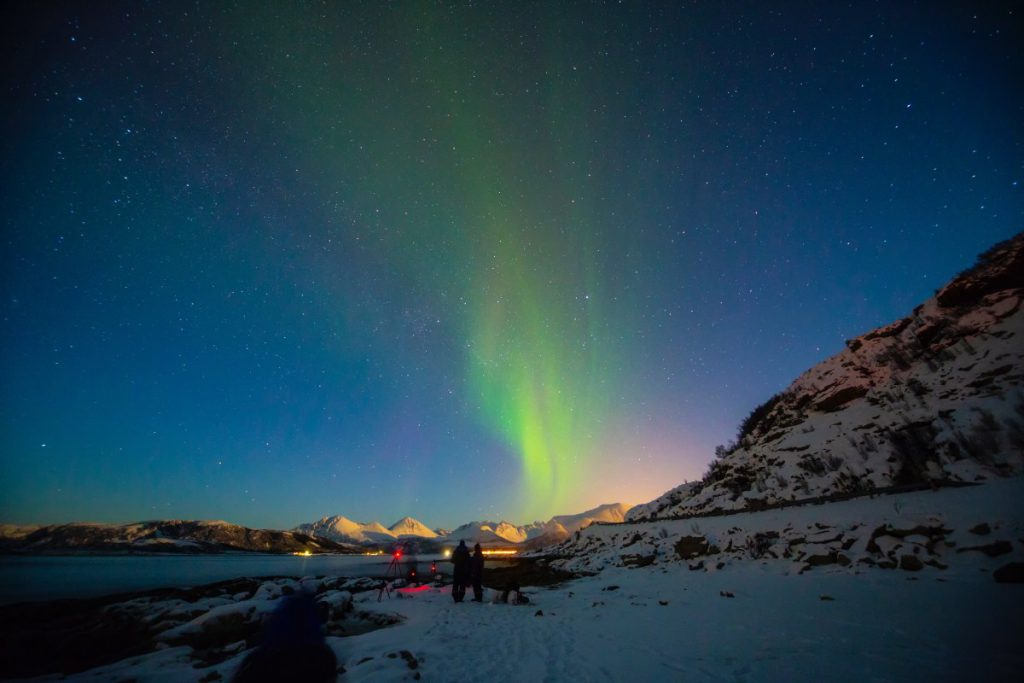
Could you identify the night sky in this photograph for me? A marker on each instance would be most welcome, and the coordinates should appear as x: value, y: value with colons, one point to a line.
x: 267, y: 263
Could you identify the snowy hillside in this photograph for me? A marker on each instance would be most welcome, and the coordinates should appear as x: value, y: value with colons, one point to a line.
x: 938, y: 395
x: 958, y: 528
x: 167, y: 536
x: 499, y: 533
x: 16, y: 531
x: 537, y: 534
x: 407, y: 526
x: 611, y: 512
x: 344, y: 530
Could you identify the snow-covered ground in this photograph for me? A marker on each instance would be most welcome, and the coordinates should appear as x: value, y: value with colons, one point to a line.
x: 768, y: 619
x: 672, y: 624
x: 776, y: 628
x: 956, y: 530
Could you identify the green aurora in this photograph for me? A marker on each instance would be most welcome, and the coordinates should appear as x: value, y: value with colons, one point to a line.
x: 482, y: 209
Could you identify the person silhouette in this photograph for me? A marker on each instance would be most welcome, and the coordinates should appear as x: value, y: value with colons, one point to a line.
x: 476, y: 573
x: 460, y: 571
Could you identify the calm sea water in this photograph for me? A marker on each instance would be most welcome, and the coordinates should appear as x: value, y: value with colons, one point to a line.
x: 24, y: 579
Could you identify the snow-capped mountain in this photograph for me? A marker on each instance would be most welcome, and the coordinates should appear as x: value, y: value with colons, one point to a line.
x: 497, y: 533
x: 938, y: 395
x: 477, y: 532
x: 344, y: 530
x: 407, y: 526
x: 610, y: 512
x: 537, y: 534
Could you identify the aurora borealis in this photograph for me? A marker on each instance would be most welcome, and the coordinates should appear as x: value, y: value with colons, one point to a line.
x: 268, y: 263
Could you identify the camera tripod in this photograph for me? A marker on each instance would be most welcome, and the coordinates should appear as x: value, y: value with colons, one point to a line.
x: 393, y: 571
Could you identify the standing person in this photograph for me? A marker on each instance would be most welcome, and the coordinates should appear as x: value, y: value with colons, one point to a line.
x: 460, y: 571
x: 476, y: 573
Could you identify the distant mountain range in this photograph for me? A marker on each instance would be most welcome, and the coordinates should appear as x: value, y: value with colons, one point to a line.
x: 935, y: 396
x: 343, y: 529
x: 331, y: 534
x: 487, y: 533
x: 167, y: 536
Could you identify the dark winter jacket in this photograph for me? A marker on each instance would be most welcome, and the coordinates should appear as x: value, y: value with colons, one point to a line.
x: 476, y: 567
x: 460, y: 563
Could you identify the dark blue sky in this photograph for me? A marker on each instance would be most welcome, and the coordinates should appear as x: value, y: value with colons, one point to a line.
x: 506, y: 260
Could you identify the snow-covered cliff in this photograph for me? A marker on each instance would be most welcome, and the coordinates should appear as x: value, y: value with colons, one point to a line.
x: 938, y: 395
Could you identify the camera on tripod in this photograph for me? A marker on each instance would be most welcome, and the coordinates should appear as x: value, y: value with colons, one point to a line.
x: 403, y: 566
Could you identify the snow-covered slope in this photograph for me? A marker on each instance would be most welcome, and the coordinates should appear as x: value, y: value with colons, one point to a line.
x: 938, y: 395
x: 610, y: 512
x: 17, y: 531
x: 500, y: 533
x: 960, y: 529
x: 407, y: 526
x: 344, y: 530
x: 537, y: 534
x: 477, y: 532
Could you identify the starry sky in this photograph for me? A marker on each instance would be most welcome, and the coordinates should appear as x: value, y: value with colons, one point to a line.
x: 267, y: 262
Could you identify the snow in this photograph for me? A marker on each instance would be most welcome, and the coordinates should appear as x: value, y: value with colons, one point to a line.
x: 344, y: 530
x: 611, y: 512
x: 848, y: 528
x: 776, y: 627
x: 15, y: 531
x: 936, y: 395
x: 487, y: 533
x: 407, y: 526
x: 774, y: 618
x: 882, y: 627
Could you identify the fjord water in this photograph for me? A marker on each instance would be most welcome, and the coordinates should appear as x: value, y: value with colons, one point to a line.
x: 50, y: 577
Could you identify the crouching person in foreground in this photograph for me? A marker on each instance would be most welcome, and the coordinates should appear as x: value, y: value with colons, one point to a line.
x: 292, y: 648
